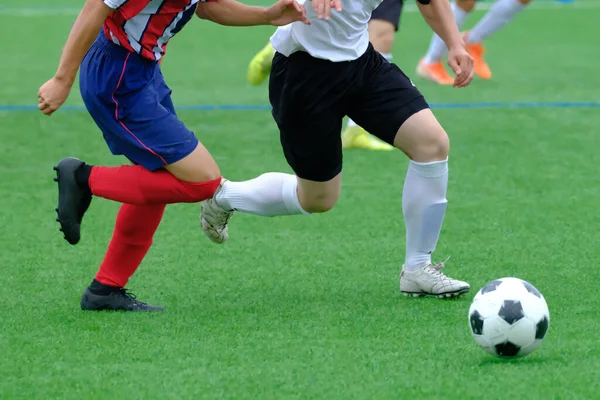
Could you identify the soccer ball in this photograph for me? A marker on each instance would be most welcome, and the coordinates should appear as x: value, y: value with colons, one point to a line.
x: 509, y: 318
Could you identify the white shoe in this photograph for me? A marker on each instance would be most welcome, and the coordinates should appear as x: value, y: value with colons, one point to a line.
x: 430, y: 281
x: 214, y: 219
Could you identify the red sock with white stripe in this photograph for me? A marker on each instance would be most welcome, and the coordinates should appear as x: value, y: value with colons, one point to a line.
x: 134, y: 229
x: 133, y: 184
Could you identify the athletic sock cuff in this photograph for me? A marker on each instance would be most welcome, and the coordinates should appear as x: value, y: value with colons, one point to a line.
x: 433, y: 169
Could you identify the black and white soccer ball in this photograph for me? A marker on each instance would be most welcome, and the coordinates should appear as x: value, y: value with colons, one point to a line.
x: 509, y: 318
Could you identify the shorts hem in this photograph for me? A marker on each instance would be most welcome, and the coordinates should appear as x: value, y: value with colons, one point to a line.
x: 159, y: 161
x: 404, y: 113
x: 320, y: 177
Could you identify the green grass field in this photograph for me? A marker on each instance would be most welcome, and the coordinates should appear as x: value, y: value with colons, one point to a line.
x: 309, y: 307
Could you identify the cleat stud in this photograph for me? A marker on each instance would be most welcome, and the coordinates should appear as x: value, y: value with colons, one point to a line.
x: 55, y: 179
x: 55, y: 168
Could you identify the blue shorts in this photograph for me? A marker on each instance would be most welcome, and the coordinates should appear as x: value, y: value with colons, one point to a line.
x: 128, y: 98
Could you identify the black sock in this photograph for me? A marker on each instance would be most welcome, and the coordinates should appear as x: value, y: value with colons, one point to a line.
x: 82, y: 176
x: 102, y: 289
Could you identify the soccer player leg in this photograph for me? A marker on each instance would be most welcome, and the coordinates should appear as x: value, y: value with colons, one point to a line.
x: 383, y: 26
x: 135, y: 226
x: 431, y: 67
x: 309, y: 122
x: 501, y: 13
x: 134, y: 230
x: 395, y: 111
x: 424, y: 204
x: 172, y: 167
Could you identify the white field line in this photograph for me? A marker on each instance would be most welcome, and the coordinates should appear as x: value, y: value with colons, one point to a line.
x: 9, y: 11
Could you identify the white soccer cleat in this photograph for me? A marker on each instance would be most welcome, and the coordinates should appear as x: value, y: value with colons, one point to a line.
x: 430, y: 281
x: 214, y: 219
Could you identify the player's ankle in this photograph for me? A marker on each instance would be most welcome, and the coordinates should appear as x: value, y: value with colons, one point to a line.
x: 82, y: 176
x: 100, y: 288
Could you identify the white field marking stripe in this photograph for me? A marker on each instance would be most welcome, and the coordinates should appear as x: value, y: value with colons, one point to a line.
x: 73, y: 11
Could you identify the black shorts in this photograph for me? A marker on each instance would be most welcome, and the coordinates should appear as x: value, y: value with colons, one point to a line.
x: 311, y: 96
x: 389, y: 10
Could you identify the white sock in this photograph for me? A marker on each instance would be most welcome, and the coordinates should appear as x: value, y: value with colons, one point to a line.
x: 501, y: 13
x: 437, y: 48
x: 269, y: 195
x: 423, y: 205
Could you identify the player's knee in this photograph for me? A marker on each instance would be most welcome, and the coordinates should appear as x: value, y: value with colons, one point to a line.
x: 384, y: 41
x: 433, y: 147
x: 319, y: 197
x: 382, y: 35
x: 199, y: 166
x: 466, y: 5
x: 316, y: 203
x: 197, y: 175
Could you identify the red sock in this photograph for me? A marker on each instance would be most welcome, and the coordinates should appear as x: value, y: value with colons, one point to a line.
x: 131, y: 240
x: 133, y: 184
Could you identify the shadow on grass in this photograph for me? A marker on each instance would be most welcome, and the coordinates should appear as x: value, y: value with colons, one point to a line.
x: 528, y: 360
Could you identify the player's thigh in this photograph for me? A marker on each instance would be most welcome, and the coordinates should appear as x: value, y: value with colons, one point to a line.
x: 136, y: 125
x: 386, y: 99
x: 165, y: 136
x: 308, y: 106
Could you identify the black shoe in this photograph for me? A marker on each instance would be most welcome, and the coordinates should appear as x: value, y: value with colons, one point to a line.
x: 117, y: 299
x: 73, y: 199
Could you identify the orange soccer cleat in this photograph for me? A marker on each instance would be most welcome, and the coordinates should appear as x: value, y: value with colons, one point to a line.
x: 476, y: 50
x: 434, y: 72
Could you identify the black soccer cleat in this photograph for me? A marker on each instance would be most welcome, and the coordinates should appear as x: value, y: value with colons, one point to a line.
x: 73, y: 199
x: 119, y: 299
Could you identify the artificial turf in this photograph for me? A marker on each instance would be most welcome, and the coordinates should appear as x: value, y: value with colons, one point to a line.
x: 309, y: 307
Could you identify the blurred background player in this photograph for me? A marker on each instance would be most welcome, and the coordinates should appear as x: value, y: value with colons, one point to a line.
x: 382, y: 28
x: 499, y: 15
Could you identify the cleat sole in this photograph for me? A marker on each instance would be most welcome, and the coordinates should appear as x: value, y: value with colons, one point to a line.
x: 450, y: 295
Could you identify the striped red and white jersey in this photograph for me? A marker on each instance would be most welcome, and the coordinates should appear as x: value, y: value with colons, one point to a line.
x: 145, y: 26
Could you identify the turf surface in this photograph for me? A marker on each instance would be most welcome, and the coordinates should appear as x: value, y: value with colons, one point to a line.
x: 309, y: 307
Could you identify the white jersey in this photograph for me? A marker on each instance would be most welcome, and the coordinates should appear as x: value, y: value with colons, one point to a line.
x: 344, y: 37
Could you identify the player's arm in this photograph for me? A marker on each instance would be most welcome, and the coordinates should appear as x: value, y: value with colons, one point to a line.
x: 439, y: 16
x: 234, y: 13
x: 83, y: 33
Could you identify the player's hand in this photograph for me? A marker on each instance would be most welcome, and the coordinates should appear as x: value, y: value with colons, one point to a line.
x: 462, y: 64
x: 52, y: 95
x: 285, y: 12
x: 323, y: 7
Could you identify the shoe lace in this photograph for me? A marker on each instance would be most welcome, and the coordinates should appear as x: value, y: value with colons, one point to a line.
x: 436, y: 269
x: 129, y: 295
x: 222, y: 216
